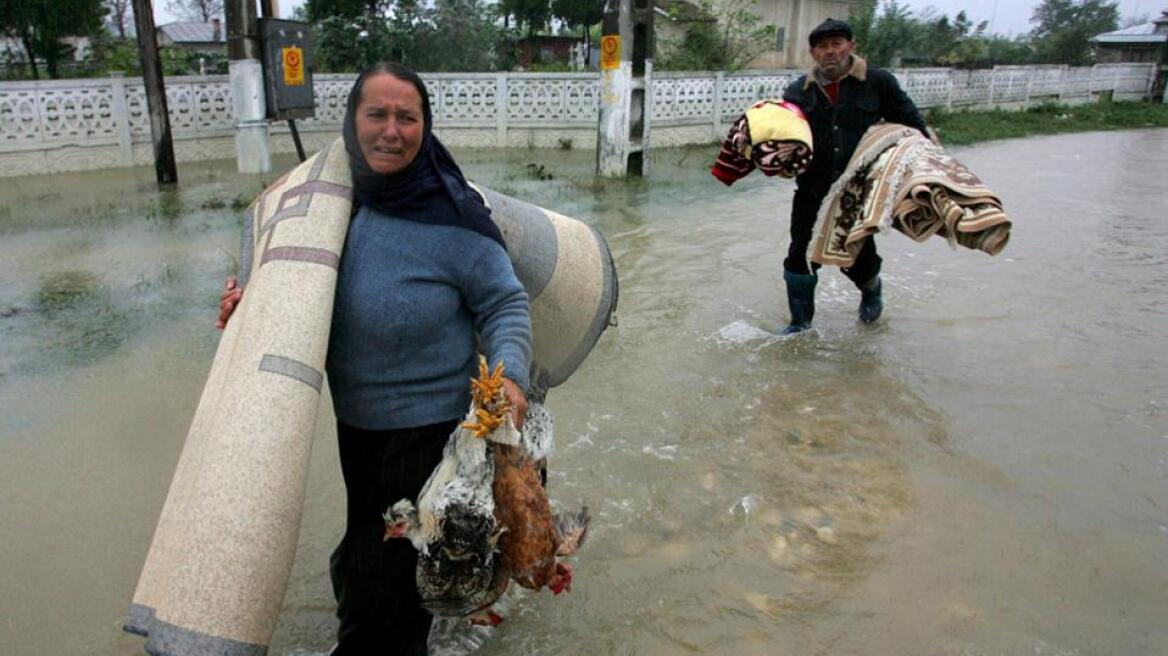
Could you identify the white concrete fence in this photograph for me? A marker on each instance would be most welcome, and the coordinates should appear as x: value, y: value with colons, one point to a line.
x: 69, y: 125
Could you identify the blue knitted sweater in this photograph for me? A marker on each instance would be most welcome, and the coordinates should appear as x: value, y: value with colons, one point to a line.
x: 414, y: 302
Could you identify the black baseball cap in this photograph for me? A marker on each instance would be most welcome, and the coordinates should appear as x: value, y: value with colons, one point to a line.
x: 830, y: 27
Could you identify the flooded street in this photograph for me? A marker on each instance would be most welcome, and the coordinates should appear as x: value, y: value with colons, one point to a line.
x: 984, y: 472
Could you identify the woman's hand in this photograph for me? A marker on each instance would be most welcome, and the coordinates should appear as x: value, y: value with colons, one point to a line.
x: 228, y: 300
x: 518, y: 402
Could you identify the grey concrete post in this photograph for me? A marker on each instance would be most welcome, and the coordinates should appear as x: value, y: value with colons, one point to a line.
x: 949, y: 90
x: 121, y: 117
x: 719, y: 82
x: 502, y: 109
x: 993, y: 81
x: 249, y: 107
x: 626, y: 63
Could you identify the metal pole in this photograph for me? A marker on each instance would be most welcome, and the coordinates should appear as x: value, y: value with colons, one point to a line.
x: 296, y: 139
x: 165, y: 169
x: 271, y: 9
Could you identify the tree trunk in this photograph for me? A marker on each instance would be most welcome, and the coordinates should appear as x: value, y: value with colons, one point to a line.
x: 26, y: 39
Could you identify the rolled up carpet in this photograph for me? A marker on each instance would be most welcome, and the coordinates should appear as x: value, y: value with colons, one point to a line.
x: 216, y: 571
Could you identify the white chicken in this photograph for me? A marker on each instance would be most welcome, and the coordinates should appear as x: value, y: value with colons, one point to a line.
x: 483, y: 516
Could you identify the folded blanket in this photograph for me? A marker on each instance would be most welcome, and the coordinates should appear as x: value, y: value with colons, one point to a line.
x: 898, y: 177
x: 772, y: 136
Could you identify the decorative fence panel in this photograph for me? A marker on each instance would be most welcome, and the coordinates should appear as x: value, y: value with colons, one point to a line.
x: 492, y: 109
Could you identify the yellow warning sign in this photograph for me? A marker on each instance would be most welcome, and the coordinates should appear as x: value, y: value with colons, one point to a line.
x: 293, y: 66
x: 609, y: 52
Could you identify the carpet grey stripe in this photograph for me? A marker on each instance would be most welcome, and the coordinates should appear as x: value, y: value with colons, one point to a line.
x: 321, y: 158
x: 532, y: 243
x: 247, y: 245
x: 169, y: 640
x: 138, y: 620
x: 278, y: 364
x: 302, y: 254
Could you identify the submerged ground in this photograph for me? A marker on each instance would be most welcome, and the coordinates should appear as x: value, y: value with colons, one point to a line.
x: 985, y: 472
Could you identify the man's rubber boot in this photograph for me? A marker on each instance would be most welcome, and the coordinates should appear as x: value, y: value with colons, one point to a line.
x: 871, y: 300
x: 800, y: 299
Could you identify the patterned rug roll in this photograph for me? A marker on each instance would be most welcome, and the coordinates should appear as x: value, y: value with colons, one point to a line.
x: 899, y: 178
x: 214, y: 577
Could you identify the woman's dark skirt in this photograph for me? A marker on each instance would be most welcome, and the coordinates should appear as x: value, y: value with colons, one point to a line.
x: 378, y: 605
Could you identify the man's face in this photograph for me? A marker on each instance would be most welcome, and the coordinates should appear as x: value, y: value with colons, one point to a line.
x: 833, y: 55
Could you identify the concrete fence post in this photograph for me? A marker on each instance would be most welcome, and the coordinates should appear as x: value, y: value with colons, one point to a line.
x: 949, y: 89
x: 1029, y: 82
x: 501, y: 110
x: 993, y: 80
x: 121, y: 117
x: 719, y: 82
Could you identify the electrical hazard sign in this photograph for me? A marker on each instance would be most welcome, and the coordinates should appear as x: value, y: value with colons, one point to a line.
x: 287, y: 47
x: 293, y: 59
x: 610, y: 52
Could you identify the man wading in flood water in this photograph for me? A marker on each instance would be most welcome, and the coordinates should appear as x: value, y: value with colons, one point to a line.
x: 841, y: 98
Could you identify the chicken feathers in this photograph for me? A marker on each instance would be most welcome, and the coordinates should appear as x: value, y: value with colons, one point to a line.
x: 483, y: 516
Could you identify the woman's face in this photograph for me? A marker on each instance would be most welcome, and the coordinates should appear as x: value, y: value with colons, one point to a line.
x: 389, y: 123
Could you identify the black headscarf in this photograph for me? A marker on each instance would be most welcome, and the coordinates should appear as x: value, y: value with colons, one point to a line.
x: 431, y: 188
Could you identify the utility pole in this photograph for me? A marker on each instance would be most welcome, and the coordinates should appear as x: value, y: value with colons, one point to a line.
x: 252, y: 151
x: 626, y: 66
x: 164, y: 166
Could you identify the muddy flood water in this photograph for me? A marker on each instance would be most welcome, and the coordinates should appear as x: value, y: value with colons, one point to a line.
x: 984, y: 472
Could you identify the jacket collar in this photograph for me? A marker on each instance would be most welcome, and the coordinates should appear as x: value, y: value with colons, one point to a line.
x: 859, y: 70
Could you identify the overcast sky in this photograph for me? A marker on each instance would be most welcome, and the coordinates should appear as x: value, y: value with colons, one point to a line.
x: 1013, y: 16
x: 162, y: 15
x: 1006, y: 16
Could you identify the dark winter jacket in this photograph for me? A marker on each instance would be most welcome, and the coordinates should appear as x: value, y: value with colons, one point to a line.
x: 866, y: 96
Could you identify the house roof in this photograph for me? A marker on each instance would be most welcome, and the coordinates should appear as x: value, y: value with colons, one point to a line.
x: 192, y: 32
x: 1149, y: 33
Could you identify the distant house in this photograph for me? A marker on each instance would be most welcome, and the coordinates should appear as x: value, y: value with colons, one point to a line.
x: 793, y: 20
x: 1138, y: 43
x: 545, y: 49
x: 191, y: 36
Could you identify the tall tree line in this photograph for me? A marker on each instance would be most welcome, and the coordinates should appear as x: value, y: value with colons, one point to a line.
x: 890, y: 34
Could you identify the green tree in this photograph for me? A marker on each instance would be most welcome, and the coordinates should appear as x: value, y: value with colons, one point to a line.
x: 532, y: 15
x: 347, y: 44
x: 579, y: 13
x: 1063, y: 28
x: 892, y: 36
x: 120, y: 16
x: 727, y: 37
x: 889, y: 34
x: 40, y: 25
x: 469, y: 24
x: 1007, y: 51
x: 318, y: 10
